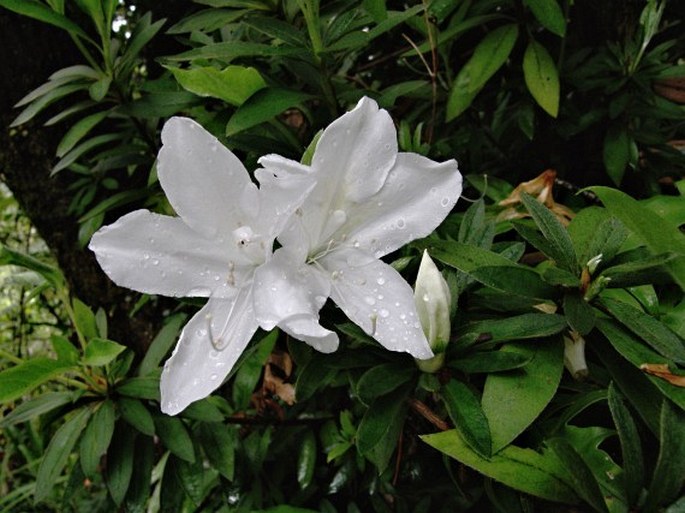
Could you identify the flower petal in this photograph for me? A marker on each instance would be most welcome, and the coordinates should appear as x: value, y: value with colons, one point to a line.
x: 375, y: 297
x: 197, y: 367
x: 417, y: 196
x: 351, y: 162
x: 159, y: 254
x: 203, y: 180
x: 290, y: 294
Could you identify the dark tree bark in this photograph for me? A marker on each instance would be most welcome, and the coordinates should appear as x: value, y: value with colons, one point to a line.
x: 29, y: 52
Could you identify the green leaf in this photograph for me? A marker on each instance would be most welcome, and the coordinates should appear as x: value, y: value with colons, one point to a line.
x: 467, y: 414
x: 206, y: 21
x: 65, y: 350
x: 526, y: 470
x: 138, y: 491
x: 234, y: 84
x: 376, y: 8
x: 140, y: 388
x: 39, y: 11
x: 631, y: 449
x: 653, y: 332
x: 383, y: 379
x: 50, y: 273
x: 249, y: 370
x: 137, y: 415
x: 100, y: 352
x: 57, y: 453
x: 541, y: 77
x: 659, y: 236
x: 203, y: 410
x: 120, y: 462
x: 36, y: 407
x: 644, y: 271
x: 524, y: 326
x: 491, y: 269
x: 97, y: 437
x: 584, y: 482
x: 41, y: 103
x: 143, y: 32
x: 219, y: 442
x: 549, y: 14
x: 667, y: 480
x: 637, y: 353
x: 191, y: 476
x: 616, y: 152
x: 98, y: 90
x: 513, y: 400
x: 594, y: 232
x: 579, y: 314
x: 380, y: 427
x: 78, y: 131
x: 490, y: 54
x: 84, y: 318
x: 175, y: 437
x: 235, y: 49
x: 306, y: 460
x: 555, y: 233
x: 161, y: 344
x: 264, y: 105
x: 490, y: 361
x: 24, y: 377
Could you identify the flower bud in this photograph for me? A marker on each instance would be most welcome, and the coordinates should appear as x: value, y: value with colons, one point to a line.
x: 432, y: 297
x: 574, y: 355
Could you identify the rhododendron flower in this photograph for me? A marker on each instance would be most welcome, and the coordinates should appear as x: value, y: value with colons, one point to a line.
x: 224, y: 232
x: 368, y: 201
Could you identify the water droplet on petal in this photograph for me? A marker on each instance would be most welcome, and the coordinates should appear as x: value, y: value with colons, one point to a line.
x: 426, y: 298
x: 380, y: 280
x: 445, y: 201
x: 155, y: 262
x: 369, y: 300
x: 214, y: 377
x: 146, y: 256
x: 383, y: 313
x: 401, y: 223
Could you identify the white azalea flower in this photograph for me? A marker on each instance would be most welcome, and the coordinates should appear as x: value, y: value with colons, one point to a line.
x: 224, y: 232
x: 432, y: 298
x: 368, y: 201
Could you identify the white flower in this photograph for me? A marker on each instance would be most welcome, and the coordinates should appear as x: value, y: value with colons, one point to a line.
x: 224, y: 232
x: 432, y: 298
x: 574, y: 355
x: 368, y: 201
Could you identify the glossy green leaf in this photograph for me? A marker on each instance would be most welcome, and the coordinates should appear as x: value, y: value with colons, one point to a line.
x: 579, y: 314
x: 41, y: 12
x: 549, y: 14
x: 174, y: 435
x: 380, y: 427
x: 24, y: 377
x: 36, y: 407
x: 644, y: 271
x: 382, y: 379
x: 667, y: 479
x: 554, y: 232
x: 97, y: 437
x: 144, y: 30
x: 513, y: 400
x: 631, y: 448
x: 120, y: 462
x: 138, y: 492
x: 490, y: 54
x: 51, y: 274
x: 45, y: 100
x: 467, y: 414
x: 78, y: 131
x: 637, y: 353
x: 491, y: 269
x: 191, y: 476
x: 207, y: 20
x: 65, y: 350
x: 642, y: 222
x: 219, y: 443
x: 234, y: 84
x: 203, y: 410
x: 140, y: 388
x: 490, y: 361
x: 98, y: 90
x: 616, y: 152
x: 541, y: 77
x: 57, y: 453
x: 161, y: 344
x: 584, y: 482
x: 594, y: 232
x: 137, y: 415
x: 100, y: 352
x: 653, y: 332
x: 306, y: 460
x: 265, y: 105
x: 524, y: 326
x: 538, y: 474
x: 249, y: 370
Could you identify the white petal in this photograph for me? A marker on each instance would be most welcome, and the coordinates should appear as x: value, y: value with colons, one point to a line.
x: 290, y: 294
x: 159, y: 254
x: 351, y: 162
x: 375, y: 297
x: 197, y: 368
x: 203, y: 179
x: 433, y: 298
x: 416, y: 198
x: 284, y: 185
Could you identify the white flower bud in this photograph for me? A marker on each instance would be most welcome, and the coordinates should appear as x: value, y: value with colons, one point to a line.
x: 574, y: 355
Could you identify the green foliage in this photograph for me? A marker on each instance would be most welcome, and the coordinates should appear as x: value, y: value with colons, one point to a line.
x: 508, y: 88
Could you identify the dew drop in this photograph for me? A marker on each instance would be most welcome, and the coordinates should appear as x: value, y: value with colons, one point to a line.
x: 380, y: 280
x: 445, y: 201
x: 146, y: 257
x: 155, y: 262
x: 214, y: 377
x: 214, y: 354
x: 434, y: 190
x: 369, y: 300
x: 401, y: 223
x: 383, y: 312
x: 380, y: 296
x: 426, y: 298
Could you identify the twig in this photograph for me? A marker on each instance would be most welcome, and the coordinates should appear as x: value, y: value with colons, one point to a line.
x: 428, y: 414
